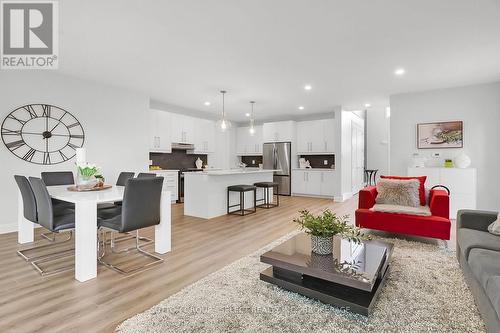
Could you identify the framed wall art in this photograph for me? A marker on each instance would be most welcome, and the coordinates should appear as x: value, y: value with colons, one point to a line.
x: 440, y: 135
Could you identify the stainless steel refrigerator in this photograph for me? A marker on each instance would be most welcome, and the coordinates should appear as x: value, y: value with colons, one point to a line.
x: 277, y: 155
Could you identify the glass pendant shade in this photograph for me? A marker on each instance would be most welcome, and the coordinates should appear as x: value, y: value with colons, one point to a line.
x: 252, y: 128
x: 223, y: 124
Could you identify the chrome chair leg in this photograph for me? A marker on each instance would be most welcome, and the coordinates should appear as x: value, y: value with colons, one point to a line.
x: 137, y: 247
x: 22, y: 254
x: 50, y: 239
x: 51, y: 257
x: 130, y: 235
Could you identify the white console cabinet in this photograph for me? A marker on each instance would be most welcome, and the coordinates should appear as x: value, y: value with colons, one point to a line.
x: 461, y: 182
x: 313, y: 182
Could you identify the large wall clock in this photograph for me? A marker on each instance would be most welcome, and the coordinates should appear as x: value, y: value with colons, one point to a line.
x: 42, y: 134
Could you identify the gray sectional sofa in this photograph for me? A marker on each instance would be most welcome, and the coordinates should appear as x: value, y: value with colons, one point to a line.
x: 478, y: 253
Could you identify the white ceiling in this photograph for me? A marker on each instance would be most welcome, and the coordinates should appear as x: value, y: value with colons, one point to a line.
x: 183, y: 52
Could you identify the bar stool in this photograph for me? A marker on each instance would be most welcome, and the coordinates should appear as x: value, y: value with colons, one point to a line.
x: 268, y: 199
x: 242, y: 189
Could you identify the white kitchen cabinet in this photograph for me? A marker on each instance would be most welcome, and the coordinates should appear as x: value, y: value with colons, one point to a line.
x: 280, y: 131
x: 170, y: 182
x: 182, y: 128
x: 309, y: 182
x: 246, y: 144
x: 204, y: 136
x: 461, y: 182
x: 315, y: 137
x: 159, y: 131
x: 327, y: 184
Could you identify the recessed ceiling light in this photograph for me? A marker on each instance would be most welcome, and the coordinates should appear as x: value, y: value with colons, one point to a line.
x: 301, y: 107
x: 207, y: 103
x: 367, y: 105
x: 308, y: 87
x: 247, y: 114
x: 399, y: 71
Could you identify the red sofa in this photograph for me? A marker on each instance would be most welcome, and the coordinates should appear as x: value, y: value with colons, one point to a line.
x: 436, y: 226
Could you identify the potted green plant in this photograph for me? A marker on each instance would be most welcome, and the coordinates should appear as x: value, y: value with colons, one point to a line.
x: 86, y: 175
x: 324, y: 227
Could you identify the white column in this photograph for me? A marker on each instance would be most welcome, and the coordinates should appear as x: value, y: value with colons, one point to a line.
x: 85, y: 240
x: 25, y: 228
x: 163, y: 231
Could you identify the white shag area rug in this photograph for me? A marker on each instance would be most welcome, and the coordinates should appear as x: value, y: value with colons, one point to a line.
x: 424, y: 292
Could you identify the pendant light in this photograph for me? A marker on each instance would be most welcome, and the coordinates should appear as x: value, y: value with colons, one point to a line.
x: 223, y: 124
x: 252, y: 128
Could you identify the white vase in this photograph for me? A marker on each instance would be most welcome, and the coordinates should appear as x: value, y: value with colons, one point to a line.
x: 199, y: 163
x: 462, y: 161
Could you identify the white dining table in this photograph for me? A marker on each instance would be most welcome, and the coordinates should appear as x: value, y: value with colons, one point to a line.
x: 86, y: 225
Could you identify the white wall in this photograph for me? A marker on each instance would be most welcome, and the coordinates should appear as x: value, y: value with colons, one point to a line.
x: 114, y: 120
x: 479, y: 108
x: 377, y: 135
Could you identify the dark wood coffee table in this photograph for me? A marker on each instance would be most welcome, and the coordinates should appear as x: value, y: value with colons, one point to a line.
x: 350, y: 278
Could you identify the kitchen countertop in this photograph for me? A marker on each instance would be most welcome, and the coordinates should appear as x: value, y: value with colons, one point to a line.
x: 230, y: 172
x: 164, y: 170
x: 314, y: 169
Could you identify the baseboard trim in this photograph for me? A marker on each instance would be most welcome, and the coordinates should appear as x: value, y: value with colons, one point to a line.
x: 312, y: 196
x: 8, y: 228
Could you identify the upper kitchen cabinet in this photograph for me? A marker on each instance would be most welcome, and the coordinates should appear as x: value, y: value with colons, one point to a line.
x: 204, y: 136
x: 246, y: 144
x: 159, y: 131
x: 279, y: 131
x: 316, y: 137
x: 182, y: 128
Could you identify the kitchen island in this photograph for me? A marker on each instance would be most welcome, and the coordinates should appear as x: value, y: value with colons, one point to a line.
x: 205, y: 193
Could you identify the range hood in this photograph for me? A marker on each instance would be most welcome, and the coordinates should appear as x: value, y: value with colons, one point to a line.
x: 182, y: 146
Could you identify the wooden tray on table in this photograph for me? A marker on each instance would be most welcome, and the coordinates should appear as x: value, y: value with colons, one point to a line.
x: 75, y: 188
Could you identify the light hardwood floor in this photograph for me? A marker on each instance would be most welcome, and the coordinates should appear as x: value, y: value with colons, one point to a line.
x: 31, y: 303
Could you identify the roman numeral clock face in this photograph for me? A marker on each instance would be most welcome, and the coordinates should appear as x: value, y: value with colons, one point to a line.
x: 42, y: 134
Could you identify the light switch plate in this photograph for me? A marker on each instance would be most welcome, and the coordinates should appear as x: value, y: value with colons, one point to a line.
x: 325, y: 162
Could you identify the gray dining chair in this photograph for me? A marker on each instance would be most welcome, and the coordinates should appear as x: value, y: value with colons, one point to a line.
x: 64, y: 221
x: 55, y: 178
x: 58, y: 178
x: 121, y: 181
x: 30, y: 214
x: 146, y: 175
x: 140, y: 209
x: 123, y: 177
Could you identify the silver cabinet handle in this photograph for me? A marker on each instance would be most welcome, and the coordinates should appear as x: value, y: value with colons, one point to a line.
x: 159, y: 142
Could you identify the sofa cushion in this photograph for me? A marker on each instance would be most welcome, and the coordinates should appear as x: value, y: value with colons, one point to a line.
x: 398, y: 192
x: 484, y: 264
x: 421, y: 190
x: 493, y: 292
x: 397, y: 209
x: 469, y: 239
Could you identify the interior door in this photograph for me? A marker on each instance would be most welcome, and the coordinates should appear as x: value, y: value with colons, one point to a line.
x: 357, y: 157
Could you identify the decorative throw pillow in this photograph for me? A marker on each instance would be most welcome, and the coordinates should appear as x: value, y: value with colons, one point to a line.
x: 494, y: 228
x: 398, y: 192
x: 421, y: 190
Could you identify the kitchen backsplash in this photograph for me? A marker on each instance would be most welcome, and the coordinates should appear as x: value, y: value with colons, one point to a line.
x: 176, y: 160
x: 318, y: 161
x: 251, y: 161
